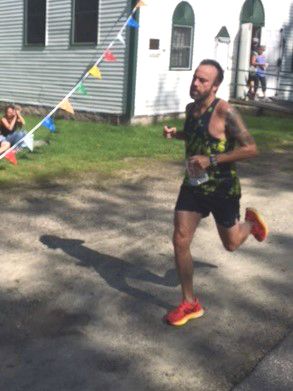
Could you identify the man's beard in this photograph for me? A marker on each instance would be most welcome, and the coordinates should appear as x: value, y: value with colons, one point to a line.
x: 198, y: 98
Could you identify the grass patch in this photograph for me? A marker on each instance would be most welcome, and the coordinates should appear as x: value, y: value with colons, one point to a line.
x: 79, y: 148
x: 271, y: 133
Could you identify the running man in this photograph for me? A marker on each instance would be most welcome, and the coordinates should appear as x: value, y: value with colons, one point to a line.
x: 215, y: 138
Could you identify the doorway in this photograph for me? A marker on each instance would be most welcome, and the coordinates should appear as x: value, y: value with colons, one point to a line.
x: 252, y: 21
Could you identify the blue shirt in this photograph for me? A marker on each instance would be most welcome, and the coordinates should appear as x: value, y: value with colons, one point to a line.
x: 260, y: 70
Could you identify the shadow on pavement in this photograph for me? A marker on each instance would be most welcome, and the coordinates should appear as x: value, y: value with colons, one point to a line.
x: 115, y: 271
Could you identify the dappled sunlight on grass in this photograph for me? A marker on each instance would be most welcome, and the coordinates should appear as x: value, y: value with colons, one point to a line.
x: 80, y: 148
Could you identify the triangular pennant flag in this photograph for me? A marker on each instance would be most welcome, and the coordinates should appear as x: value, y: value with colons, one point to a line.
x: 141, y: 4
x: 95, y: 71
x: 80, y: 88
x: 121, y: 39
x: 29, y: 141
x: 109, y: 56
x: 10, y: 156
x: 48, y: 123
x: 132, y: 23
x: 66, y: 106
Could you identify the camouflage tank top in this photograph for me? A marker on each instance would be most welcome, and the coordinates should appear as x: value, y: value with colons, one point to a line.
x: 222, y: 179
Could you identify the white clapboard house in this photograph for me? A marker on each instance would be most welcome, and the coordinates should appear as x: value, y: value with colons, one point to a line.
x: 46, y: 46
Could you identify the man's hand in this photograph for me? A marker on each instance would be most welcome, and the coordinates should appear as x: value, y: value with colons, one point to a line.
x: 200, y: 161
x: 169, y: 132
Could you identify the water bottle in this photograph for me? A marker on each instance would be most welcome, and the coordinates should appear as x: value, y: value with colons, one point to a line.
x: 196, y: 175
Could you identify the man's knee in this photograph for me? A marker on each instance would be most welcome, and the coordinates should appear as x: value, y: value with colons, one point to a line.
x: 181, y: 239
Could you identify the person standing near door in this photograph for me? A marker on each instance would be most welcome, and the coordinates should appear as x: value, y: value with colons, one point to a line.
x: 260, y: 63
x: 252, y: 70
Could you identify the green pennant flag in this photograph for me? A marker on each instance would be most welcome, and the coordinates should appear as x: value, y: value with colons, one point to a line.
x: 80, y: 88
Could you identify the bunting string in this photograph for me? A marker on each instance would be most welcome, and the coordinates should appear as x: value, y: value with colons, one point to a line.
x: 65, y: 104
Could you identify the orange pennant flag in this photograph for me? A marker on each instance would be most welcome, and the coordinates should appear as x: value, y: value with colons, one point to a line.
x: 109, y: 56
x: 66, y: 106
x: 10, y: 156
x: 95, y: 71
x: 141, y: 4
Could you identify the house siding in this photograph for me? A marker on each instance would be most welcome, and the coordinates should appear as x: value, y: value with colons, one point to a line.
x: 160, y: 90
x: 43, y: 76
x: 286, y: 80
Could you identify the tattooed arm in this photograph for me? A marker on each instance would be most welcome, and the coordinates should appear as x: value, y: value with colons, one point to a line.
x: 235, y: 129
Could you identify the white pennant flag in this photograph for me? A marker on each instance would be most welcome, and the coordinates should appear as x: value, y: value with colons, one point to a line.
x: 29, y: 141
x: 121, y: 39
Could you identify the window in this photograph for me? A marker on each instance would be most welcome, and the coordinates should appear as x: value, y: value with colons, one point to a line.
x: 85, y: 21
x: 154, y: 44
x: 182, y: 37
x: 181, y: 47
x: 35, y: 22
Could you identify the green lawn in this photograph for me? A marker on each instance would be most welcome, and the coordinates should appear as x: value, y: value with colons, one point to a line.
x: 271, y: 132
x: 81, y: 148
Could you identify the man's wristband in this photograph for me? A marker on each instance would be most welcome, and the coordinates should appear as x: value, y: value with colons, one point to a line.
x: 213, y: 160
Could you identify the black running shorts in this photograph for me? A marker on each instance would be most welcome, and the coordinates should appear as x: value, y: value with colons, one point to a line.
x: 224, y: 210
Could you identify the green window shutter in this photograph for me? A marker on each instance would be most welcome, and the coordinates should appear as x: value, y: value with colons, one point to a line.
x: 253, y: 12
x: 223, y: 33
x: 183, y: 15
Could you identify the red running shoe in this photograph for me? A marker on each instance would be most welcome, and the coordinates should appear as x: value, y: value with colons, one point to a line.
x: 184, y: 312
x: 259, y: 229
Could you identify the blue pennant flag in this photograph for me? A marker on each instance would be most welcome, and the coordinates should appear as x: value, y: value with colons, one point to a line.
x: 48, y: 123
x: 132, y: 23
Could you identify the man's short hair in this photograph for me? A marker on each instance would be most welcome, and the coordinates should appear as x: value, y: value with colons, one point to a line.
x: 215, y: 64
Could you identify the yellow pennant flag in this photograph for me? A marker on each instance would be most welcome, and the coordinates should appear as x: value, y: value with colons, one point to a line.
x: 66, y: 105
x: 141, y: 4
x: 95, y: 71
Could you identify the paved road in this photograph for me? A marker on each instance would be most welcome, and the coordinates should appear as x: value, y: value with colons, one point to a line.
x: 275, y: 370
x: 87, y: 275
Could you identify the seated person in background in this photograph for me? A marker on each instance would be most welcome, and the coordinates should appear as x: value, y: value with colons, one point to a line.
x: 10, y: 122
x: 4, y: 144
